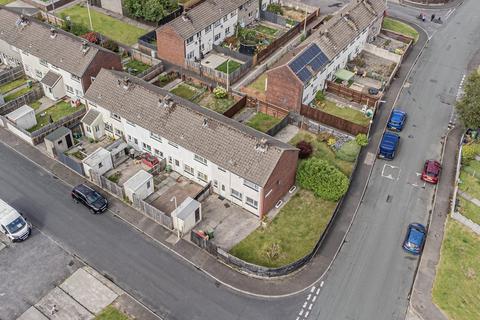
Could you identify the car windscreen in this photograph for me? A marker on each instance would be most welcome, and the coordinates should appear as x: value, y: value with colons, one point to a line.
x: 93, y: 196
x: 16, y: 225
x: 415, y: 237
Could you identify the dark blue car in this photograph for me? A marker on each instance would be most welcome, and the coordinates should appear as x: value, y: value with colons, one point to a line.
x: 415, y: 238
x: 388, y: 146
x: 397, y: 120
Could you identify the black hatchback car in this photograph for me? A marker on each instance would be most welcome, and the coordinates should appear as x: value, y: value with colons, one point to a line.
x: 93, y: 200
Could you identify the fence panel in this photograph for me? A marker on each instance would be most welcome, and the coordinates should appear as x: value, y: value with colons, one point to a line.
x: 350, y: 94
x: 71, y: 163
x: 204, y: 193
x: 27, y: 98
x: 111, y: 186
x: 11, y: 74
x: 152, y: 212
x: 233, y: 110
x: 279, y: 126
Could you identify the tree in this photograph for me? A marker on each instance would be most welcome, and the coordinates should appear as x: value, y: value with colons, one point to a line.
x: 323, y: 179
x: 275, y: 8
x: 305, y: 149
x: 150, y: 10
x: 469, y: 107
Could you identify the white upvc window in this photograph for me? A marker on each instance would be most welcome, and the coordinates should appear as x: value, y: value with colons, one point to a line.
x: 155, y: 137
x: 251, y: 185
x: 236, y: 194
x: 202, y: 176
x: 173, y: 144
x: 75, y: 78
x: 115, y: 116
x: 189, y: 169
x: 252, y: 203
x: 200, y: 159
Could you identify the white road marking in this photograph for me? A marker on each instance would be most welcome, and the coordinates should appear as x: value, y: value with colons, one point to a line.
x: 301, y: 312
x: 449, y: 13
x: 318, y: 291
x: 306, y: 314
x: 396, y: 170
x: 321, y: 284
x: 309, y: 296
x: 313, y: 289
x: 310, y: 306
x: 314, y: 298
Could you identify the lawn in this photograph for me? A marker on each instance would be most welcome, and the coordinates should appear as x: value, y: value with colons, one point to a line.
x: 399, y: 27
x: 346, y: 113
x: 323, y: 151
x: 16, y: 94
x: 469, y: 183
x: 35, y: 105
x: 457, y: 284
x: 12, y: 85
x: 4, y: 2
x: 232, y: 66
x: 262, y: 122
x: 186, y: 91
x: 266, y: 30
x: 136, y: 67
x: 108, y: 26
x: 111, y: 313
x: 469, y: 210
x: 57, y: 112
x: 208, y: 100
x: 259, y: 83
x: 295, y: 231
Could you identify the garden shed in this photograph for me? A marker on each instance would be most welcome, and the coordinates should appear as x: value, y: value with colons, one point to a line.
x: 23, y: 117
x: 59, y: 141
x: 141, y: 184
x: 99, y: 161
x: 187, y: 215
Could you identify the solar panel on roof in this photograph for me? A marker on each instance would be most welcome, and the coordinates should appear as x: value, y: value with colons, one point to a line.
x: 313, y: 57
x: 304, y: 75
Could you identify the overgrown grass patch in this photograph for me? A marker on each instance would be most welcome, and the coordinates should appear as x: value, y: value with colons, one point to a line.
x: 231, y: 64
x: 220, y: 105
x: 16, y: 94
x: 111, y: 313
x: 186, y: 91
x: 266, y: 30
x: 259, y: 83
x: 291, y: 235
x: 457, y: 284
x: 262, y: 122
x: 469, y: 209
x: 12, y: 85
x: 112, y: 28
x: 346, y: 113
x: 135, y: 67
x: 400, y: 27
x: 469, y: 183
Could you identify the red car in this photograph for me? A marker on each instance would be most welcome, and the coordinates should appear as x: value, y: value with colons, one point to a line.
x: 431, y: 171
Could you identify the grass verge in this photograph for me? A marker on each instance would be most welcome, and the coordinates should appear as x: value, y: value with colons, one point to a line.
x: 457, y: 284
x: 279, y: 243
x: 400, y: 27
x: 112, y: 28
x: 469, y: 210
x: 262, y: 122
x: 111, y: 313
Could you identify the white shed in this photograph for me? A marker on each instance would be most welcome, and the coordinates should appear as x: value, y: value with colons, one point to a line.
x: 187, y: 215
x: 23, y: 117
x: 99, y: 161
x: 141, y: 184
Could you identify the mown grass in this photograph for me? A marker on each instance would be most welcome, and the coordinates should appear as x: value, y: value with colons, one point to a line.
x: 262, y: 122
x: 12, y: 85
x: 232, y: 66
x: 56, y: 112
x: 400, y: 27
x: 457, y: 285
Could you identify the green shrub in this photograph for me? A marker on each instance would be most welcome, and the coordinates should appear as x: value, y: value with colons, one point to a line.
x: 320, y: 96
x: 306, y: 149
x: 323, y: 179
x: 361, y: 139
x: 275, y: 8
x: 110, y: 45
x: 349, y: 151
x: 220, y: 92
x: 469, y: 152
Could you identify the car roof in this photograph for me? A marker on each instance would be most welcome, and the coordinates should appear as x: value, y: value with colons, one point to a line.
x: 396, y: 114
x: 83, y: 188
x: 432, y: 165
x: 416, y: 236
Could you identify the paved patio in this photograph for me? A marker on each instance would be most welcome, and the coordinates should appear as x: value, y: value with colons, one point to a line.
x: 127, y: 170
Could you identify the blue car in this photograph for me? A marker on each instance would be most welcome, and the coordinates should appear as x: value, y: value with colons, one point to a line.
x: 388, y: 146
x: 415, y: 238
x: 397, y: 120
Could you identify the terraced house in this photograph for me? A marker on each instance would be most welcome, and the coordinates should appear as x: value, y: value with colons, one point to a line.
x: 64, y: 64
x: 245, y: 166
x: 297, y: 76
x: 195, y: 32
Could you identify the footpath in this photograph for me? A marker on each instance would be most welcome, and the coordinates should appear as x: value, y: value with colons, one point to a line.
x: 203, y: 261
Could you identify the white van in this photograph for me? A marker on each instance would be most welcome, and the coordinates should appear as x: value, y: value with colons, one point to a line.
x: 13, y: 224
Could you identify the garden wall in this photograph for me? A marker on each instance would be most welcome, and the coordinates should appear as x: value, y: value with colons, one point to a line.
x: 73, y: 164
x: 332, y: 121
x: 352, y: 95
x: 380, y: 52
x: 11, y: 74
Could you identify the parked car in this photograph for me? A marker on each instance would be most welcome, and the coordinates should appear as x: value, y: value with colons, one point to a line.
x: 431, y: 171
x: 388, y: 146
x: 397, y: 120
x: 415, y: 238
x: 13, y: 224
x: 93, y: 200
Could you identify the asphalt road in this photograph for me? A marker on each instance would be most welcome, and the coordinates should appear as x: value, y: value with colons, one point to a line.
x: 372, y: 276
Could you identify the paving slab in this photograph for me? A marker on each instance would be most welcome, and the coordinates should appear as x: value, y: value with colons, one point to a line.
x: 32, y: 314
x: 60, y: 306
x: 88, y: 291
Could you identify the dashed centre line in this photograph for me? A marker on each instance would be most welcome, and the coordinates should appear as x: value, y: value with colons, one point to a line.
x: 310, y: 299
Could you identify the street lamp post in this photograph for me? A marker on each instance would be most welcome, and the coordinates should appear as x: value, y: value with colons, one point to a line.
x: 89, y: 15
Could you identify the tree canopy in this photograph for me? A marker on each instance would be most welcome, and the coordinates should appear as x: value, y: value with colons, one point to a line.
x: 468, y: 107
x: 149, y: 10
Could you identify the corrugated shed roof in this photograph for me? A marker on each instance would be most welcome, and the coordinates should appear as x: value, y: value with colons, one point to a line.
x: 203, y: 15
x: 221, y: 140
x: 63, y: 51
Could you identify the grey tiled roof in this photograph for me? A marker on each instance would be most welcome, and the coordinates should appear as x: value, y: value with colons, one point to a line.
x: 64, y: 51
x: 204, y: 15
x: 90, y: 117
x: 57, y: 134
x: 347, y: 24
x: 50, y: 78
x: 223, y: 141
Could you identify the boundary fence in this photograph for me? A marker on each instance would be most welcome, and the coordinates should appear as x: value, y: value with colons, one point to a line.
x: 11, y: 74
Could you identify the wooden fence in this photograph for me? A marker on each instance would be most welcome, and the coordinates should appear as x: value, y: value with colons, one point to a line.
x: 267, y: 108
x: 215, y: 75
x: 152, y: 212
x: 233, y: 110
x: 33, y: 95
x: 332, y: 121
x: 352, y: 95
x: 11, y: 74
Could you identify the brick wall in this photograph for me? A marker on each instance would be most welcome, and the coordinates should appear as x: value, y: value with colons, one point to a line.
x: 280, y: 181
x: 284, y: 89
x: 170, y: 46
x: 103, y: 59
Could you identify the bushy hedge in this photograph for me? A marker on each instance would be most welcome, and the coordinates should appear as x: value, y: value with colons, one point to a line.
x: 323, y: 179
x: 349, y: 151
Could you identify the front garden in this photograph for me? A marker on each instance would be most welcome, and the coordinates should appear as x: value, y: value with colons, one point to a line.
x: 218, y: 100
x: 345, y: 112
x: 400, y: 27
x: 457, y: 286
x: 110, y: 27
x: 322, y: 178
x: 54, y: 114
x: 469, y: 182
